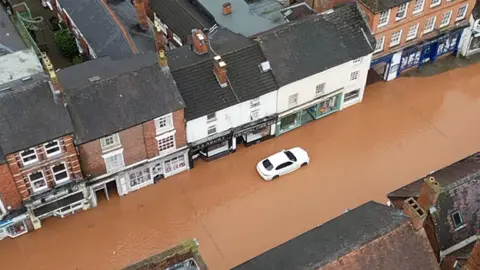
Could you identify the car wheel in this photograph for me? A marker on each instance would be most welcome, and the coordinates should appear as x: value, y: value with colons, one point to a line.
x: 304, y: 164
x: 275, y: 177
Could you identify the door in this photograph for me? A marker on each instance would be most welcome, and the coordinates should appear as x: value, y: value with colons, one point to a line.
x: 284, y: 168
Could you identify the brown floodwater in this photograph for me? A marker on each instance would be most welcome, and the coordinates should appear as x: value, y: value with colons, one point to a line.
x: 403, y: 130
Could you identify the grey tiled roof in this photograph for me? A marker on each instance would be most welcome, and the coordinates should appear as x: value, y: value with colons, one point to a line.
x: 476, y: 10
x: 10, y: 40
x: 198, y: 85
x: 182, y: 16
x: 2, y: 156
x: 303, y: 48
x: 377, y: 6
x: 125, y: 93
x: 29, y: 115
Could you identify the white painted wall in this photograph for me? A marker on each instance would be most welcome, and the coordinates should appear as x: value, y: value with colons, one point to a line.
x: 334, y: 79
x: 466, y: 38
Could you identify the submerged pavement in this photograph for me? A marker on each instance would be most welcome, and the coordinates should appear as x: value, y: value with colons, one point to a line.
x: 403, y: 130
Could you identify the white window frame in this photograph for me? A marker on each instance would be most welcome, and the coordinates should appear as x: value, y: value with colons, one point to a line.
x: 118, y: 152
x: 435, y: 4
x: 26, y: 163
x: 426, y: 31
x: 443, y: 24
x: 146, y: 178
x: 411, y: 37
x: 376, y: 44
x: 54, y: 153
x: 32, y: 185
x: 54, y: 174
x: 399, y: 39
x: 293, y: 100
x: 319, y: 89
x: 405, y: 6
x: 419, y: 10
x: 164, y: 123
x: 354, y: 75
x: 352, y: 99
x: 212, y: 119
x: 163, y: 137
x: 254, y: 102
x: 255, y: 115
x: 357, y: 60
x: 116, y: 141
x: 213, y: 127
x: 175, y: 161
x: 385, y: 23
x: 453, y: 220
x: 458, y: 18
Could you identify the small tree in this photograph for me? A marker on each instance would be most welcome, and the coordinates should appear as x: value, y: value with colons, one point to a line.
x: 65, y: 41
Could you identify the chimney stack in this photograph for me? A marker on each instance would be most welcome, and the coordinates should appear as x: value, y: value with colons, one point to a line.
x: 159, y: 36
x: 413, y: 210
x: 227, y: 8
x: 141, y: 14
x: 473, y: 263
x: 162, y: 59
x: 429, y: 192
x: 200, y: 45
x: 220, y: 70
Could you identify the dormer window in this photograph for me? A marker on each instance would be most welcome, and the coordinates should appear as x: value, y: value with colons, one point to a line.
x: 52, y: 148
x: 457, y: 220
x: 29, y: 156
x: 110, y: 141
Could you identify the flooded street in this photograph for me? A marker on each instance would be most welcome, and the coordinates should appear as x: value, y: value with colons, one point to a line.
x: 403, y: 130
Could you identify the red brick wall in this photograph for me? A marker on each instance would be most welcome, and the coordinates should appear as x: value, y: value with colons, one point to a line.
x: 149, y: 134
x: 179, y: 124
x: 8, y: 190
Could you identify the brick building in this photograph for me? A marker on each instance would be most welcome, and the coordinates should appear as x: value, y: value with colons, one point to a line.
x: 450, y: 196
x: 128, y: 119
x: 37, y: 145
x: 412, y: 33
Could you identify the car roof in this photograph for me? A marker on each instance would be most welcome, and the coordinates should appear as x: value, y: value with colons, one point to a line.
x: 278, y: 158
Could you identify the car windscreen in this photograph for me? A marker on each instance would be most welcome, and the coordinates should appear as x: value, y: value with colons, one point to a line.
x: 290, y: 156
x: 267, y: 164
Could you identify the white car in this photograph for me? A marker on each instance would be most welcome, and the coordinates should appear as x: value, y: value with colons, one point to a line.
x: 282, y: 163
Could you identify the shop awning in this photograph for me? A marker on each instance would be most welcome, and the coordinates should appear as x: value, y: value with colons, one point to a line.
x: 58, y: 204
x: 223, y: 136
x: 256, y: 125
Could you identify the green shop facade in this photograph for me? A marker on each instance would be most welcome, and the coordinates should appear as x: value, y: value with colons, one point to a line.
x: 304, y: 113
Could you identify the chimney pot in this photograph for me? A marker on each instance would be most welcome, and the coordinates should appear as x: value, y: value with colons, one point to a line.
x: 227, y: 8
x: 141, y: 14
x: 429, y: 192
x: 415, y: 212
x: 220, y: 71
x: 200, y: 45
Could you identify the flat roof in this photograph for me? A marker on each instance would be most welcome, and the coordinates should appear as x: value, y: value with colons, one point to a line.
x: 19, y: 65
x: 10, y: 40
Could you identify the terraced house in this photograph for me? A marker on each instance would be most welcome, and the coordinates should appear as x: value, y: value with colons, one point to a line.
x: 411, y: 33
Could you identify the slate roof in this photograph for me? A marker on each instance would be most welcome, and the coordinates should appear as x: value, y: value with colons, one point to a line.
x: 297, y: 12
x: 326, y: 246
x: 10, y: 40
x: 303, y: 48
x: 182, y: 16
x: 377, y: 6
x: 125, y: 93
x: 2, y: 157
x: 29, y: 115
x: 198, y: 85
x: 95, y: 20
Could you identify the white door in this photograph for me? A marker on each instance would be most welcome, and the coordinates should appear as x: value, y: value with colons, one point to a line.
x: 122, y: 188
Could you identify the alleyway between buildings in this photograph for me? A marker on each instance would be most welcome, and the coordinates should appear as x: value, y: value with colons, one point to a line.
x: 403, y: 130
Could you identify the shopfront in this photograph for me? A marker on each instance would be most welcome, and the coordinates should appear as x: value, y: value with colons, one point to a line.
x: 214, y: 147
x: 14, y: 225
x: 316, y: 109
x: 257, y: 131
x: 61, y: 206
x: 170, y: 165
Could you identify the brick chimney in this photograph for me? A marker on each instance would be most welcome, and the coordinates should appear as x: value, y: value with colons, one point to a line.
x: 473, y: 263
x: 162, y: 59
x: 227, y: 8
x: 159, y: 37
x: 429, y: 192
x: 141, y: 14
x: 200, y: 45
x: 413, y: 210
x: 220, y: 70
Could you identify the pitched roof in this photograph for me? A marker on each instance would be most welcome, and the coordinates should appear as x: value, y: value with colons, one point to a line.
x: 101, y: 24
x: 125, y: 92
x: 326, y: 246
x: 29, y: 115
x: 198, y: 85
x: 2, y: 157
x: 476, y: 10
x: 377, y: 6
x: 182, y: 16
x: 10, y: 40
x: 303, y: 48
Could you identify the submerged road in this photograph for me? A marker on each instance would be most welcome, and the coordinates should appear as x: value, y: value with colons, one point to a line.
x: 403, y: 130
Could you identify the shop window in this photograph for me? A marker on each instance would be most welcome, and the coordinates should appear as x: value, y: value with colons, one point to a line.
x: 29, y: 156
x: 69, y: 209
x: 354, y: 75
x: 17, y: 229
x: 446, y: 19
x: 164, y: 123
x: 327, y: 106
x: 211, y: 117
x: 60, y: 173
x: 52, y: 148
x: 110, y: 141
x: 166, y: 143
x: 288, y: 121
x: 412, y: 32
x: 216, y: 148
x: 462, y: 12
x: 114, y: 161
x: 212, y: 130
x: 429, y: 25
x: 384, y: 18
x: 457, y: 220
x: 139, y: 177
x: 418, y: 7
x: 379, y: 44
x: 37, y: 181
x: 292, y: 100
x: 175, y: 164
x: 435, y: 3
x: 254, y: 102
x: 351, y: 95
x: 401, y: 12
x: 396, y: 38
x: 320, y: 89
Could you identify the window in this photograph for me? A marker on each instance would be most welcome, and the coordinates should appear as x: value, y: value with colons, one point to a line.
x: 175, y: 164
x: 114, y: 161
x: 418, y: 7
x: 412, y: 32
x: 462, y: 12
x: 284, y: 165
x: 402, y: 12
x: 351, y: 95
x: 211, y: 117
x: 267, y: 165
x: 139, y: 177
x: 435, y: 3
x: 110, y: 141
x: 429, y: 25
x: 457, y: 220
x: 254, y: 102
x: 166, y: 143
x: 446, y: 18
x: 52, y: 148
x: 60, y: 173
x: 396, y: 38
x: 292, y: 100
x: 29, y: 156
x: 379, y: 44
x: 254, y: 115
x: 354, y: 75
x: 212, y: 130
x: 37, y: 181
x: 319, y: 89
x: 357, y: 61
x: 384, y: 17
x: 164, y: 123
x: 290, y: 156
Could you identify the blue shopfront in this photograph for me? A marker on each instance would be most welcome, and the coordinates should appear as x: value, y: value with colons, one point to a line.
x: 390, y: 66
